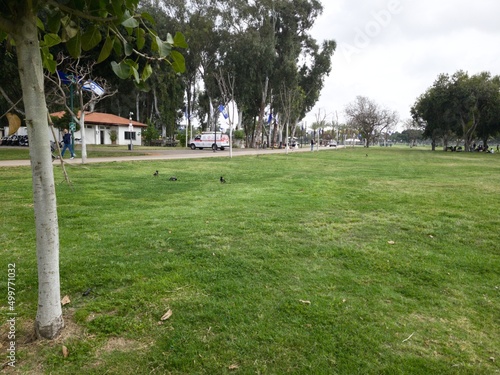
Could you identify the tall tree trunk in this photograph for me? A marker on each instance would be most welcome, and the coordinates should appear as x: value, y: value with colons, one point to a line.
x: 49, y: 321
x: 261, y: 113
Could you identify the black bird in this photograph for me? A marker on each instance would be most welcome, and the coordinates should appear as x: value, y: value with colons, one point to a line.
x: 173, y: 178
x: 155, y: 174
x: 222, y: 180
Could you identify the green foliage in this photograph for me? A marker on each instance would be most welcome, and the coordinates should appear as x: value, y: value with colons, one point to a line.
x: 462, y: 105
x: 239, y: 134
x: 113, y: 135
x: 150, y: 133
x: 80, y: 25
x: 237, y: 264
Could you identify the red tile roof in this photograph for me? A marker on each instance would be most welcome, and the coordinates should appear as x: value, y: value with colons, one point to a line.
x: 98, y: 118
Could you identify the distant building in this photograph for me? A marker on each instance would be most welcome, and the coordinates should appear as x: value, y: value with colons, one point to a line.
x: 100, y: 126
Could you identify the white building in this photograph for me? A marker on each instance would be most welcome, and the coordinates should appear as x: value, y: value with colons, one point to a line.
x: 99, y: 128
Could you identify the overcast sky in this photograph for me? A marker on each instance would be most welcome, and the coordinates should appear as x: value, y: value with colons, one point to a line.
x: 391, y: 51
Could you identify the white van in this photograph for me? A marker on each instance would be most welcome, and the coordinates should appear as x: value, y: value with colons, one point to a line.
x: 208, y: 140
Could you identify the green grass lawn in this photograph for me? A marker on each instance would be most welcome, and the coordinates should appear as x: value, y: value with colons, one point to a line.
x: 349, y: 261
x: 93, y: 151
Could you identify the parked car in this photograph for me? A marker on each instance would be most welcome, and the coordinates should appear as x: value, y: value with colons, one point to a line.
x: 208, y: 140
x: 332, y: 144
x: 23, y: 140
x: 13, y: 140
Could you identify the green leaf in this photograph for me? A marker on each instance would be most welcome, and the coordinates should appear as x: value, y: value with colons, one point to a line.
x: 122, y: 70
x: 117, y: 8
x: 180, y: 40
x: 128, y: 49
x: 48, y: 60
x: 136, y: 74
x: 70, y: 29
x: 117, y: 46
x: 179, y: 64
x: 129, y: 21
x: 148, y: 17
x: 74, y: 46
x: 170, y: 40
x: 40, y: 24
x: 140, y: 38
x: 146, y: 72
x: 162, y: 47
x: 54, y: 22
x: 50, y: 40
x: 91, y: 38
x: 142, y: 86
x: 106, y: 50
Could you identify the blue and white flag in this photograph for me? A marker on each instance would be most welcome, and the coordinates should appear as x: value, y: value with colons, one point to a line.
x: 64, y: 78
x: 94, y: 87
x: 222, y: 110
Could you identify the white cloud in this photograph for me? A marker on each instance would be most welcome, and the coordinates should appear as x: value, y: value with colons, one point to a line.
x: 392, y: 50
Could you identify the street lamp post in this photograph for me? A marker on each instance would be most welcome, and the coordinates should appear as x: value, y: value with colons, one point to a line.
x: 130, y: 130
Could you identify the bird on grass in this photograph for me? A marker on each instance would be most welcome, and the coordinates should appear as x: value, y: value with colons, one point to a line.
x: 173, y: 178
x: 155, y: 174
x: 222, y: 180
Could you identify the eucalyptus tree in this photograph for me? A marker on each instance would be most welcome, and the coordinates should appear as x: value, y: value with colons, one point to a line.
x: 299, y: 59
x: 34, y: 28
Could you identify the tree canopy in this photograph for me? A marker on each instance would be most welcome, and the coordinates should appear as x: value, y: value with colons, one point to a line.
x: 465, y: 106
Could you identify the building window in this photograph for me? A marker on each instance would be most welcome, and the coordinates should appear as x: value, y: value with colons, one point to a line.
x: 128, y: 134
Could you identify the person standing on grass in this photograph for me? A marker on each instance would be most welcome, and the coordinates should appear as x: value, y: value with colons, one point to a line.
x: 67, y: 144
x: 312, y: 144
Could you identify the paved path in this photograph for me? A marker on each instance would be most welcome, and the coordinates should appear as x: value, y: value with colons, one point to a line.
x: 169, y: 154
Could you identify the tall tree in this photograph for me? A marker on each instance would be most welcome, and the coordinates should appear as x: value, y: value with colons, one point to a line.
x: 33, y: 27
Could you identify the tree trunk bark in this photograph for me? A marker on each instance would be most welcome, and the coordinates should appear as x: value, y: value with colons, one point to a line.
x: 49, y: 321
x: 261, y: 114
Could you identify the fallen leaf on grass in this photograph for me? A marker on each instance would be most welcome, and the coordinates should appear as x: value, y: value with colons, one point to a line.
x: 234, y: 367
x: 305, y: 302
x: 65, y: 300
x: 65, y: 352
x: 167, y: 315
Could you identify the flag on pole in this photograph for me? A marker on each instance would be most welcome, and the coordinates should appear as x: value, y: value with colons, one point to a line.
x: 222, y: 110
x: 94, y: 87
x: 64, y: 78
